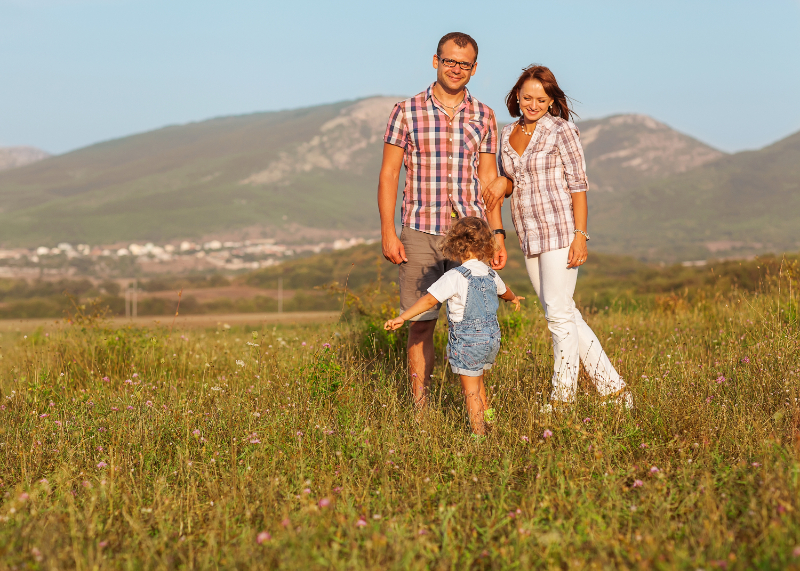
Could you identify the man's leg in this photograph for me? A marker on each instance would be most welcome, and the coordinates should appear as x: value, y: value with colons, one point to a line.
x: 420, y: 359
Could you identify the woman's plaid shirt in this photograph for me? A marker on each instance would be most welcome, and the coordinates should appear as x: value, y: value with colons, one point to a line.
x: 441, y: 159
x: 550, y: 169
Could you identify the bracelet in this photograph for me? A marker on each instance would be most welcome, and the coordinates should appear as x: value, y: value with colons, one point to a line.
x: 500, y: 231
x: 582, y: 232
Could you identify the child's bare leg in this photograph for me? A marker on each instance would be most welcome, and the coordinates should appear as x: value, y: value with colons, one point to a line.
x: 472, y: 388
x: 484, y: 398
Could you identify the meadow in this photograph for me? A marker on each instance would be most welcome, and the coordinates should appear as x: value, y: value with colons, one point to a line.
x: 296, y: 447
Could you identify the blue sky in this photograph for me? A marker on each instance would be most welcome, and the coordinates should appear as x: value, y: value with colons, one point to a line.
x: 75, y: 72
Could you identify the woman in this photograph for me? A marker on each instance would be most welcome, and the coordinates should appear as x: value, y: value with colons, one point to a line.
x: 542, y: 168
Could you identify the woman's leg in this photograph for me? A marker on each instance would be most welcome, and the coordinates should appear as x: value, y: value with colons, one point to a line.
x: 475, y: 401
x: 556, y: 290
x: 556, y: 284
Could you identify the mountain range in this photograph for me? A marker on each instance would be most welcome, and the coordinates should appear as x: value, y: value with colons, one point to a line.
x: 13, y: 157
x: 655, y: 193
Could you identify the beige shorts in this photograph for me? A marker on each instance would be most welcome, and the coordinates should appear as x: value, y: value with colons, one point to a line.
x: 425, y: 265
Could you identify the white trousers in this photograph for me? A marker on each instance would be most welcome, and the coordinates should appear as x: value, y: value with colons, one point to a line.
x: 573, y: 341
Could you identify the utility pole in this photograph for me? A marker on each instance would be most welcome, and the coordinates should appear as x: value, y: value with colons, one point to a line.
x: 280, y: 295
x: 132, y: 299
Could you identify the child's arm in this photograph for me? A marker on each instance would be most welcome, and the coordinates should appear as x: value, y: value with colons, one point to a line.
x: 422, y: 305
x: 512, y: 297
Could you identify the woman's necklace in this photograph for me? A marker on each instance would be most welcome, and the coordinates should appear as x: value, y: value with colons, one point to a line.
x: 522, y: 127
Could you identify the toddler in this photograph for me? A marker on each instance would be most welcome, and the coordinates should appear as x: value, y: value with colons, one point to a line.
x: 471, y: 291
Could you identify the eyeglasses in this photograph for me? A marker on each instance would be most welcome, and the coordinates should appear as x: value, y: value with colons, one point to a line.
x: 465, y: 65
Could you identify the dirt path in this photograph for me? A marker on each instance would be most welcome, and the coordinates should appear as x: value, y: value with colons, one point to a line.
x: 183, y: 321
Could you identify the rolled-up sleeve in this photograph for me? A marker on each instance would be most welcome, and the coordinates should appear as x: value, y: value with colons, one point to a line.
x: 489, y: 142
x: 396, y: 131
x: 571, y: 151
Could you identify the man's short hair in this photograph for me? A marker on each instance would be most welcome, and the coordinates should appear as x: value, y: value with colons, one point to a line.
x: 461, y: 39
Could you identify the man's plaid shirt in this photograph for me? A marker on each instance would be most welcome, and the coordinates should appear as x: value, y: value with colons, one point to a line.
x: 441, y: 158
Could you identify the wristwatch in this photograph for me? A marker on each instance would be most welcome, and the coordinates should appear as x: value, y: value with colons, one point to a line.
x: 500, y: 231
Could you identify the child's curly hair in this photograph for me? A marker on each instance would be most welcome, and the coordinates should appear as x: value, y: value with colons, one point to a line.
x: 469, y: 235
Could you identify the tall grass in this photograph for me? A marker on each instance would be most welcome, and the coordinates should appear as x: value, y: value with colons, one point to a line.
x: 296, y: 447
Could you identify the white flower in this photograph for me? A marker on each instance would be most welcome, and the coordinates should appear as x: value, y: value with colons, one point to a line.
x: 240, y: 362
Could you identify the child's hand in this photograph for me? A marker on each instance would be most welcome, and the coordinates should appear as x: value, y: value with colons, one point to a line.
x: 393, y: 324
x: 516, y: 301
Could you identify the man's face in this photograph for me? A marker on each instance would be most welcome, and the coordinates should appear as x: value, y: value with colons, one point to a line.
x: 454, y: 78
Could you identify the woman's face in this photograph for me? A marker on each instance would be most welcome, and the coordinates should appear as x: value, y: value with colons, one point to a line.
x: 533, y: 100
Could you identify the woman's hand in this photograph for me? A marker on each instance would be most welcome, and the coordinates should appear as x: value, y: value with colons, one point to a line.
x: 578, y: 252
x: 393, y: 324
x: 495, y: 192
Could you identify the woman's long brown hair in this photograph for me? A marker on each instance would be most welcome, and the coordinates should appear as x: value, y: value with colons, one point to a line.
x: 544, y: 76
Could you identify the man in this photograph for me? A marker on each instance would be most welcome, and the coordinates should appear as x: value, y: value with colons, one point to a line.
x: 447, y: 140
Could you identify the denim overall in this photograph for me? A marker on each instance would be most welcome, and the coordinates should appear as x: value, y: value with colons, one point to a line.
x: 473, y: 343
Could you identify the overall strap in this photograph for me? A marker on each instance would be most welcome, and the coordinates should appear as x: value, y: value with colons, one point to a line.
x: 492, y: 273
x: 464, y: 271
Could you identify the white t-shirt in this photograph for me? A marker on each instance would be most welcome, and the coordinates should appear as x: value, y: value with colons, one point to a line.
x: 452, y: 286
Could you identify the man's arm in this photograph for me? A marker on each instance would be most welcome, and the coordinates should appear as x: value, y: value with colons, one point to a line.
x: 387, y: 201
x: 487, y: 173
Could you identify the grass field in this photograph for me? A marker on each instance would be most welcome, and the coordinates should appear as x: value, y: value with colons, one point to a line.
x: 296, y: 447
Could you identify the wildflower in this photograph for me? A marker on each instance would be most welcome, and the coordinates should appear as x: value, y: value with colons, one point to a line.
x: 299, y: 434
x: 255, y: 441
x: 376, y: 516
x: 106, y: 379
x: 101, y: 464
x: 23, y: 496
x: 654, y: 470
x: 720, y: 380
x: 263, y: 536
x: 303, y: 344
x: 638, y: 483
x: 337, y: 490
x: 240, y: 363
x: 643, y: 445
x: 44, y: 415
x: 756, y: 464
x: 326, y: 345
x: 796, y: 551
x: 422, y: 532
x: 114, y: 408
x: 129, y: 407
x: 149, y: 403
x: 324, y: 503
x: 547, y: 433
x: 745, y: 360
x: 128, y: 382
x: 43, y: 481
x: 285, y: 522
x: 361, y: 522
x: 525, y: 439
x: 587, y: 419
x: 196, y: 432
x: 307, y: 491
x: 57, y: 422
x: 135, y: 375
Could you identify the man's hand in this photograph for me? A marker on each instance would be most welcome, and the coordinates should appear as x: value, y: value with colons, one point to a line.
x: 500, y: 256
x: 494, y: 193
x: 393, y: 249
x: 393, y: 324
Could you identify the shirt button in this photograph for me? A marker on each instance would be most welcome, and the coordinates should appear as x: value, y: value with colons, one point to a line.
x: 449, y: 175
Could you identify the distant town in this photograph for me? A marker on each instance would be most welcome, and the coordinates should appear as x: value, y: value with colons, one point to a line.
x: 65, y: 259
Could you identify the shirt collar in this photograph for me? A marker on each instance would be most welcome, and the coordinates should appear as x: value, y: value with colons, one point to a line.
x: 429, y: 93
